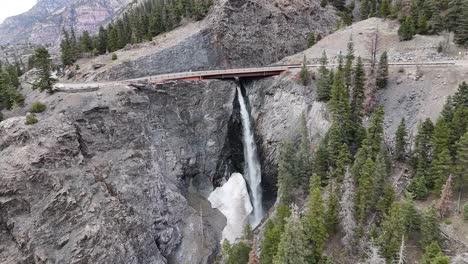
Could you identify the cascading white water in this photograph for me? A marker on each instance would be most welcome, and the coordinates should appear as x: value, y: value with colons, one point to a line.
x: 252, y: 170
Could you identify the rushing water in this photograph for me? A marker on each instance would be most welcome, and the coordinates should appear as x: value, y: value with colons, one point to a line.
x: 252, y: 170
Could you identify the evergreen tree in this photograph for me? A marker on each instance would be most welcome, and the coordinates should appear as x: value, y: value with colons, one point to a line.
x: 311, y: 41
x: 348, y: 68
x: 392, y: 230
x: 433, y: 255
x: 407, y: 29
x: 43, y: 62
x: 417, y: 187
x: 400, y: 141
x: 358, y: 96
x: 323, y: 82
x: 461, y: 26
x: 66, y: 50
x: 238, y: 254
x: 375, y: 131
x: 462, y: 162
x: 430, y: 231
x: 365, y: 191
x: 440, y: 169
x: 272, y: 234
x: 382, y: 71
x: 411, y: 217
x: 304, y: 74
x: 102, y: 41
x: 423, y: 150
x: 364, y: 9
x: 292, y: 248
x: 384, y: 9
x: 304, y: 155
x: 314, y: 220
x: 287, y: 172
x: 379, y: 178
x: 320, y: 164
x: 86, y: 42
x: 112, y: 39
x: 342, y: 162
x: 331, y: 217
x: 386, y: 200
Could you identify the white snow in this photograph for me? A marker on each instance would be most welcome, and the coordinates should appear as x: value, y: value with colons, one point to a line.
x: 233, y: 201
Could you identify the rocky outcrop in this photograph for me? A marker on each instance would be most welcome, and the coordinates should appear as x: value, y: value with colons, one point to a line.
x: 277, y: 104
x: 43, y: 24
x: 115, y: 176
x: 235, y: 34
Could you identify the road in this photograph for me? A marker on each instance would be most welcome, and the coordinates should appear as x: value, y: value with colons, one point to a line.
x: 229, y: 73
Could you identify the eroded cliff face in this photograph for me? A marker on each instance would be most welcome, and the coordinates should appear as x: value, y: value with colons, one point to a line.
x: 116, y: 176
x: 234, y: 34
x: 43, y: 24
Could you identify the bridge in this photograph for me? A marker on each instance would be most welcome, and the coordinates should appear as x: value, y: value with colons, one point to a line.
x: 228, y: 74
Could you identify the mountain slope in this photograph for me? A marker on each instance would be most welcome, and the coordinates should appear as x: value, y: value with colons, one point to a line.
x: 43, y: 23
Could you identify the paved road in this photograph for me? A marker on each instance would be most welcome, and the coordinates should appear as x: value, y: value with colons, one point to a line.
x: 230, y: 73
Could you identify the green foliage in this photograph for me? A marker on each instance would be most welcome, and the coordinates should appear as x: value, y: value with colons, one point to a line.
x: 292, y: 248
x: 462, y: 161
x: 320, y: 164
x: 272, y: 235
x: 364, y: 9
x: 304, y: 153
x: 440, y: 169
x: 31, y: 119
x: 9, y: 83
x: 411, y: 217
x: 43, y: 63
x: 331, y: 217
x: 382, y: 71
x: 304, y: 74
x: 365, y: 191
x: 430, y: 231
x: 393, y: 229
x: 287, y: 172
x: 323, y: 3
x: 407, y: 29
x: 37, y: 107
x: 238, y: 254
x: 311, y: 41
x: 385, y: 8
x: 314, y: 220
x: 114, y: 56
x: 433, y: 255
x: 247, y: 234
x: 323, y: 81
x: 400, y: 141
x: 348, y: 67
x: 417, y: 188
x: 358, y: 96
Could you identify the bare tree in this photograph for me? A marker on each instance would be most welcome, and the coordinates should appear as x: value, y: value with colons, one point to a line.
x: 373, y: 255
x: 371, y: 86
x: 443, y: 205
x: 402, y: 253
x: 347, y: 221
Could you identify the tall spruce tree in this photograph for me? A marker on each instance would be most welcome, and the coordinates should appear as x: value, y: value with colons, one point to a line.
x: 384, y: 8
x: 365, y: 191
x: 274, y: 228
x: 430, y: 229
x: 433, y: 255
x: 292, y: 248
x: 44, y: 64
x: 348, y: 67
x: 287, y: 172
x: 358, y: 96
x: 400, y: 141
x: 462, y: 162
x: 323, y: 82
x: 393, y: 229
x: 314, y: 221
x: 382, y: 71
x: 304, y: 155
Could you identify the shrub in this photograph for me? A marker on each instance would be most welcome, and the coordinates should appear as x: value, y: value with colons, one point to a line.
x: 465, y: 211
x: 31, y: 119
x: 1, y: 116
x: 77, y: 67
x: 114, y: 56
x: 447, y: 221
x: 37, y: 107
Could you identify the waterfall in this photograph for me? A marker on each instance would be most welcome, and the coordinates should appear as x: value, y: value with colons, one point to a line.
x: 252, y: 171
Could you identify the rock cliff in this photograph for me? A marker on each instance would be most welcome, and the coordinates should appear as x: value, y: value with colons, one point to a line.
x: 116, y: 176
x: 43, y: 23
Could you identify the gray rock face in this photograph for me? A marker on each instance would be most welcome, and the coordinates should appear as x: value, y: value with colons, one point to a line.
x: 277, y: 104
x: 44, y: 22
x: 115, y: 178
x: 235, y: 34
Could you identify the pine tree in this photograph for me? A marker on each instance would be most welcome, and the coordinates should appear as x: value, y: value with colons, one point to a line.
x: 43, y: 62
x: 66, y: 50
x: 304, y: 155
x: 342, y: 162
x: 379, y: 178
x: 86, y: 42
x: 358, y: 96
x: 365, y: 191
x: 314, y: 220
x: 386, y: 200
x: 348, y: 68
x: 440, y: 169
x: 423, y: 150
x: 430, y: 231
x: 400, y: 141
x: 407, y: 29
x: 461, y: 26
x: 443, y: 205
x: 462, y: 162
x: 320, y: 164
x: 304, y: 74
x: 433, y: 255
x: 323, y: 82
x: 112, y: 39
x: 364, y: 9
x: 417, y: 187
x: 102, y: 41
x: 292, y: 248
x: 384, y: 9
x: 287, y: 172
x: 382, y: 71
x: 311, y: 41
x: 392, y: 230
x: 331, y: 217
x: 375, y: 131
x: 411, y: 217
x: 272, y: 234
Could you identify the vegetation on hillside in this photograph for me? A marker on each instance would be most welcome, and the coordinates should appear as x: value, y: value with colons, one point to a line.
x: 9, y: 84
x: 143, y: 22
